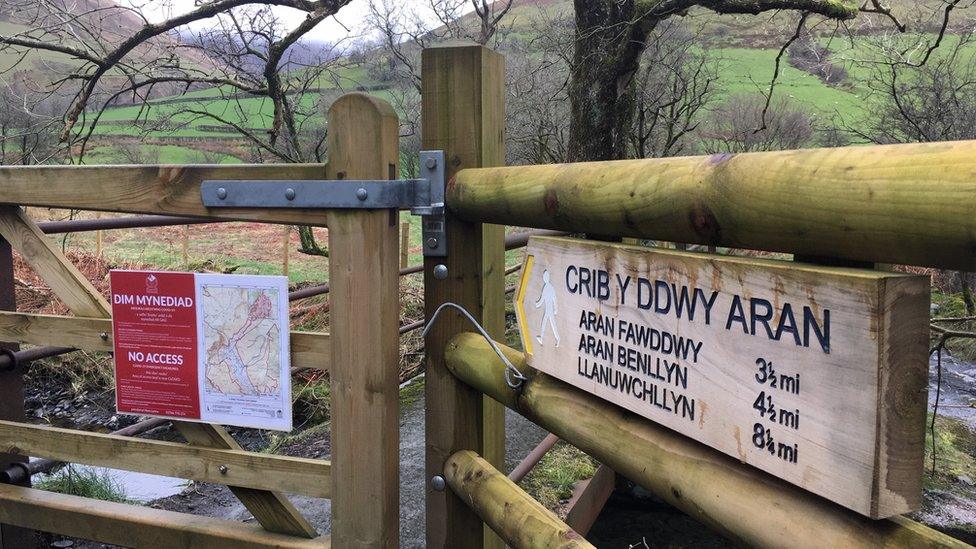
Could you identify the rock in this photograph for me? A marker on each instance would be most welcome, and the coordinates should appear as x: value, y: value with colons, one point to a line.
x: 63, y: 543
x: 965, y: 480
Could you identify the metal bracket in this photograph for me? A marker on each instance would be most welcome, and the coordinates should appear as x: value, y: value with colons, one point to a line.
x: 423, y: 196
x: 432, y: 217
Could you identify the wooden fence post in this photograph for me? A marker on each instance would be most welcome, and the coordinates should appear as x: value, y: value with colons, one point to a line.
x: 285, y: 249
x: 11, y: 392
x: 404, y: 245
x: 365, y: 307
x: 185, y: 248
x: 463, y: 112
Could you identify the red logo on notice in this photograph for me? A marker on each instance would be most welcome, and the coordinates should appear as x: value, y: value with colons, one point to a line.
x: 152, y: 284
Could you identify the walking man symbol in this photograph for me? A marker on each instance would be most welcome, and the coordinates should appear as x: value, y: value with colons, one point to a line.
x: 547, y: 299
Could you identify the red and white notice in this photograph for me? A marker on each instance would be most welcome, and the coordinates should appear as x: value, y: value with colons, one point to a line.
x: 202, y: 347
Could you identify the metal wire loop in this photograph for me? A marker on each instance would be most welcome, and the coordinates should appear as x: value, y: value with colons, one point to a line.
x: 513, y: 377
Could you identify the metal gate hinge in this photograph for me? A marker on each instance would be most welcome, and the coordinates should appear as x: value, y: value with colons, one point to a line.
x: 423, y: 196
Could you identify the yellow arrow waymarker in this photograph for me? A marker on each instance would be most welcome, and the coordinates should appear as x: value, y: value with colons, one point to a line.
x: 520, y: 304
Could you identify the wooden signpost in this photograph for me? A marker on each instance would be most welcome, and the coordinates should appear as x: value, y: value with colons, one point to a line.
x: 813, y: 374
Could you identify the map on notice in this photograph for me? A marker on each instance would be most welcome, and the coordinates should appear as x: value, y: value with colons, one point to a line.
x: 205, y: 347
x: 243, y: 323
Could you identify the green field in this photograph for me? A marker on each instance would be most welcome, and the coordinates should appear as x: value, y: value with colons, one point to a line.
x: 745, y: 69
x: 741, y: 71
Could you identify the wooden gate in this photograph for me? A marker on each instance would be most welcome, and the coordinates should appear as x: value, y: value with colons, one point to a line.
x: 361, y: 355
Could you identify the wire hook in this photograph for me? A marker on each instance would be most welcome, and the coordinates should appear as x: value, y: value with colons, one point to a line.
x: 513, y: 377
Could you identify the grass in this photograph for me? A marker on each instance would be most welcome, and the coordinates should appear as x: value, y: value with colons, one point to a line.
x: 311, y: 399
x: 750, y: 71
x: 551, y: 481
x: 155, y: 153
x: 82, y: 372
x: 412, y: 392
x: 88, y: 483
x: 955, y: 453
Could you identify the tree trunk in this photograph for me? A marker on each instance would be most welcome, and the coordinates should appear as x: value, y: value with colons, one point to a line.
x: 609, y: 42
x: 308, y: 244
x: 968, y: 280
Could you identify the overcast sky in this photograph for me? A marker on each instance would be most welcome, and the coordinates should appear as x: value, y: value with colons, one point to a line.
x: 332, y: 29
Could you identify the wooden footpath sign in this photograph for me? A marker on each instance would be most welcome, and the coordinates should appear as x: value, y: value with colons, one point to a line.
x: 814, y: 374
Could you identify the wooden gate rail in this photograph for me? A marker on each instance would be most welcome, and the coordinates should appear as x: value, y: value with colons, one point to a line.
x: 589, y: 498
x: 17, y: 473
x: 169, y: 190
x: 134, y: 525
x: 172, y: 459
x: 740, y: 501
x: 909, y: 204
x: 308, y: 349
x: 520, y: 520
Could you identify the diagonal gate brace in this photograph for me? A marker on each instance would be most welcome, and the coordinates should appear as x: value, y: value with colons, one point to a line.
x: 423, y: 196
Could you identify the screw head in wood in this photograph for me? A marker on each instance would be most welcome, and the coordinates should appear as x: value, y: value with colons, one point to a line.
x: 222, y: 469
x: 104, y: 336
x: 221, y: 193
x: 440, y: 271
x: 438, y: 483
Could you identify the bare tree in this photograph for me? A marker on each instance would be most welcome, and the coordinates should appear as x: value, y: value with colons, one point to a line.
x: 402, y: 32
x: 914, y: 102
x: 57, y: 26
x: 252, y: 46
x: 809, y: 55
x: 675, y: 83
x: 611, y: 36
x: 744, y: 123
x: 537, y: 110
x: 115, y: 63
x: 28, y: 127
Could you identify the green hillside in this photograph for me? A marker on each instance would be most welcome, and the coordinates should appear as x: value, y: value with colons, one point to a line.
x: 743, y: 49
